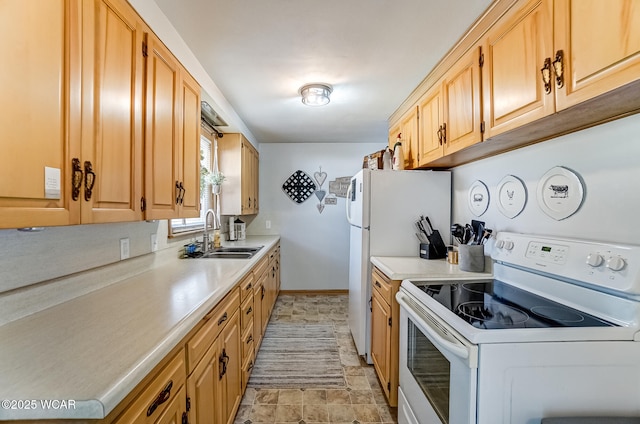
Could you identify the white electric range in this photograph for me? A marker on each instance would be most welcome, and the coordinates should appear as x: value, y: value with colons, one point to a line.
x: 554, y: 333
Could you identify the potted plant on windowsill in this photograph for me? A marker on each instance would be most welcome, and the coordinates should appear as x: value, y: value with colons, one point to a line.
x: 215, y: 179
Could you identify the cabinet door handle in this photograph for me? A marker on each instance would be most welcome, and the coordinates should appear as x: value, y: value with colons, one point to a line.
x: 178, y: 192
x: 164, y: 395
x: 558, y: 68
x: 546, y: 75
x: 249, y: 310
x: 89, y: 180
x: 439, y: 133
x: 249, y: 339
x: 262, y: 292
x: 444, y: 132
x: 223, y: 319
x: 223, y: 361
x: 181, y: 191
x: 76, y: 178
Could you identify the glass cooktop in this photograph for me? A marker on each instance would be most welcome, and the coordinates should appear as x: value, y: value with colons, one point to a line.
x: 497, y: 305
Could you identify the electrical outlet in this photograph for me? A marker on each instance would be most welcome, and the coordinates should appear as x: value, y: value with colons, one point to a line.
x: 154, y: 242
x: 267, y: 223
x: 124, y: 248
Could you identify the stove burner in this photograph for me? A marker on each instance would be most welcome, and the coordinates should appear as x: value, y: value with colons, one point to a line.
x: 558, y: 314
x: 492, y: 314
x: 480, y: 288
x: 438, y: 289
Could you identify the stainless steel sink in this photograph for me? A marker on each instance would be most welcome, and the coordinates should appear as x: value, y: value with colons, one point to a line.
x: 232, y: 253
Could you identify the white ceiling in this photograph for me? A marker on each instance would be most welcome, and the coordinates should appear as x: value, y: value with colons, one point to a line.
x: 373, y: 52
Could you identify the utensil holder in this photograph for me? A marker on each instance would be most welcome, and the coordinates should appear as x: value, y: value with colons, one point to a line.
x: 471, y: 257
x: 436, y: 248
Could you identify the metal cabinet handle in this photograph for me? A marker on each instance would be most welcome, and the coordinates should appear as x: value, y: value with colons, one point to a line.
x: 249, y: 310
x: 249, y: 339
x: 444, y: 133
x: 222, y: 363
x: 178, y: 191
x: 76, y: 178
x: 89, y: 180
x: 378, y: 284
x: 439, y: 133
x: 558, y: 68
x: 164, y: 395
x: 223, y: 319
x: 546, y: 75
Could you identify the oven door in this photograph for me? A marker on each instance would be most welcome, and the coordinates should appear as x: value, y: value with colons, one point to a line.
x: 438, y: 369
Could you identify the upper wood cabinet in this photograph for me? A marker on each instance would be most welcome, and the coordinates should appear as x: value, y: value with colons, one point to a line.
x: 172, y: 136
x: 430, y: 126
x: 461, y: 91
x: 600, y: 46
x: 239, y: 162
x: 39, y: 111
x: 407, y: 130
x: 112, y: 111
x: 515, y: 52
x: 76, y: 155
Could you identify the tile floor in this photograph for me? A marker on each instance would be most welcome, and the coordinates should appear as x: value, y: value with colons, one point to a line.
x: 361, y: 402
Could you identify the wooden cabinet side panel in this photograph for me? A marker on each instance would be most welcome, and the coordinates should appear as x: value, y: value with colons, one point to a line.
x: 379, y: 339
x: 515, y: 51
x: 161, y: 132
x: 112, y: 110
x: 601, y: 46
x: 40, y: 84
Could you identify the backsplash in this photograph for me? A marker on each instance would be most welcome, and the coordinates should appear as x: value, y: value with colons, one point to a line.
x: 27, y: 258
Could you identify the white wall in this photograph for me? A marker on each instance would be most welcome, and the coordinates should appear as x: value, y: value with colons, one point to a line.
x: 314, y: 246
x: 607, y: 157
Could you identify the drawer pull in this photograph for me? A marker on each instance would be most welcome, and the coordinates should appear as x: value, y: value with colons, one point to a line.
x: 249, y: 339
x: 249, y: 287
x: 249, y: 310
x: 164, y: 395
x: 223, y: 319
x: 250, y: 367
x: 378, y: 284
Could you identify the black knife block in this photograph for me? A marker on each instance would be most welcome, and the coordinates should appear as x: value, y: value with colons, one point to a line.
x: 436, y: 249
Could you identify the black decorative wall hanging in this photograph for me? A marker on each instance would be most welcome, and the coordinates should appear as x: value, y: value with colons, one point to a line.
x: 299, y: 186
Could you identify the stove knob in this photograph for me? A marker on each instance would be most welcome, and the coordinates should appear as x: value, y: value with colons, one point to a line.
x: 594, y: 259
x: 615, y: 263
x: 500, y: 244
x: 508, y: 245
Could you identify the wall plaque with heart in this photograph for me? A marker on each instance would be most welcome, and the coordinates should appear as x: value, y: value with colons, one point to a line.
x: 320, y: 194
x: 320, y: 177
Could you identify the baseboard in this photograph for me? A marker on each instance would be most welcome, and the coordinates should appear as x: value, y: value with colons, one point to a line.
x: 315, y: 292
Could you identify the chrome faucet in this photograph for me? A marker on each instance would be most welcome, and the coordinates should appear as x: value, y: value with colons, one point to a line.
x: 205, y: 233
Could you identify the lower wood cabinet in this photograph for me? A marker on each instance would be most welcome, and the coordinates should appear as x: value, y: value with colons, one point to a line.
x: 204, y: 381
x: 385, y: 317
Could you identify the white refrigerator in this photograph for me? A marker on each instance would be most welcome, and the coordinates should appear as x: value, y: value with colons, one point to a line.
x: 382, y: 207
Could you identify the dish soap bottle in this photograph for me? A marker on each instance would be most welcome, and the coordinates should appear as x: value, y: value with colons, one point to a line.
x: 398, y: 154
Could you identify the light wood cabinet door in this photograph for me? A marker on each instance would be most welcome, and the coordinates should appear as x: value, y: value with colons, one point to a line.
x: 257, y: 312
x: 189, y: 145
x: 39, y: 111
x: 430, y: 129
x: 381, y: 339
x: 462, y: 105
x: 409, y: 131
x: 162, y: 180
x: 600, y: 45
x: 113, y: 72
x: 230, y: 341
x: 204, y: 389
x: 515, y: 51
x: 239, y: 162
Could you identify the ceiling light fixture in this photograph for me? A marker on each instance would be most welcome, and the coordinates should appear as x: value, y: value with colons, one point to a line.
x: 315, y: 94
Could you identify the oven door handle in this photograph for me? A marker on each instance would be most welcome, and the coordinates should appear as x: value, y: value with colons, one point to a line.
x: 458, y: 349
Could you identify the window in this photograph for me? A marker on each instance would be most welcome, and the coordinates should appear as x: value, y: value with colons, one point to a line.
x: 190, y: 225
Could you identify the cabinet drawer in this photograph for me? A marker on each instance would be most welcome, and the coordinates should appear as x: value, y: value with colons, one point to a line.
x: 247, y: 343
x: 246, y: 316
x: 382, y: 285
x: 260, y: 268
x: 215, y: 321
x: 159, y: 394
x: 246, y: 287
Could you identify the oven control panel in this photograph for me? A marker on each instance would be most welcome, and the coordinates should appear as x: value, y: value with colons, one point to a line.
x: 611, y: 266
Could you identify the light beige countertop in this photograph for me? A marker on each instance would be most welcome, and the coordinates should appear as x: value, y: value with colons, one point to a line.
x: 405, y: 267
x: 94, y: 349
